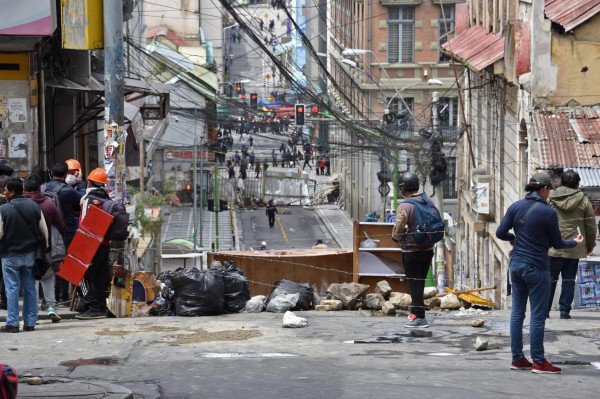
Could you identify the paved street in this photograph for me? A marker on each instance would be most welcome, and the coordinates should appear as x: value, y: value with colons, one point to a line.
x: 252, y: 356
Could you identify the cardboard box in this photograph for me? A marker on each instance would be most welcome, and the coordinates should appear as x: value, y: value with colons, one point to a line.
x: 588, y: 272
x: 589, y: 294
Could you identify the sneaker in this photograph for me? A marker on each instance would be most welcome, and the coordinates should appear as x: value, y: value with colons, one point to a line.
x: 544, y: 368
x: 417, y: 323
x: 53, y: 315
x: 565, y: 316
x: 522, y: 364
x: 9, y: 329
x: 91, y: 315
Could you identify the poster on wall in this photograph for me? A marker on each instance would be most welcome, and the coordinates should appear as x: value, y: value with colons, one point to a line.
x: 482, y: 198
x: 17, y: 109
x: 17, y: 146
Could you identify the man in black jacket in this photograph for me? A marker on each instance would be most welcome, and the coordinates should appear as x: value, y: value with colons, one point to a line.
x: 5, y: 172
x: 94, y: 286
x: 20, y: 221
x: 69, y: 203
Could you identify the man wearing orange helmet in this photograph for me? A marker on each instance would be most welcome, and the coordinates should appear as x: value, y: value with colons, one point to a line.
x: 94, y: 285
x: 74, y: 175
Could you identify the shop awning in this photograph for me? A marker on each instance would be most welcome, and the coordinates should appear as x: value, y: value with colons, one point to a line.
x: 475, y: 48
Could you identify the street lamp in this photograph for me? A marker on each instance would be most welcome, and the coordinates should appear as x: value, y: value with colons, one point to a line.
x: 430, y: 82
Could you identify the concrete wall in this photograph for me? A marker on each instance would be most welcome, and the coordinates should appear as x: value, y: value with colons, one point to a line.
x: 180, y: 16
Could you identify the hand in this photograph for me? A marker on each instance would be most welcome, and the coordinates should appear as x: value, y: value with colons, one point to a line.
x: 579, y: 239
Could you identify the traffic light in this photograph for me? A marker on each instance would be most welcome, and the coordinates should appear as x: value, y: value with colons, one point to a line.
x: 253, y: 100
x: 188, y: 187
x: 300, y: 114
x: 238, y: 87
x: 315, y: 109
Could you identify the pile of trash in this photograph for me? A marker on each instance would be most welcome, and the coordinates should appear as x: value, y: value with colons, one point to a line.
x: 223, y: 288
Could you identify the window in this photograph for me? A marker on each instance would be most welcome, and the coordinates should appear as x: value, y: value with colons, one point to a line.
x: 401, y: 34
x: 450, y: 183
x: 446, y: 25
x: 448, y: 117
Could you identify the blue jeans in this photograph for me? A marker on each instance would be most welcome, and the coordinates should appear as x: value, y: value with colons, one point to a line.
x: 568, y: 269
x: 530, y: 282
x: 18, y: 271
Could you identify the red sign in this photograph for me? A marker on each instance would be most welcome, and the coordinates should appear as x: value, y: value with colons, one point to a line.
x: 284, y: 110
x: 184, y: 155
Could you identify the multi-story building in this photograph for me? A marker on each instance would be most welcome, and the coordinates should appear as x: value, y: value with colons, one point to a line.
x: 386, y: 55
x: 528, y: 107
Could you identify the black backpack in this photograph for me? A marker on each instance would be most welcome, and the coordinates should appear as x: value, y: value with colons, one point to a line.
x: 118, y: 229
x: 429, y: 225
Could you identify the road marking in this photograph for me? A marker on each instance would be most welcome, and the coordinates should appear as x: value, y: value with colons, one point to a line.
x: 283, y: 233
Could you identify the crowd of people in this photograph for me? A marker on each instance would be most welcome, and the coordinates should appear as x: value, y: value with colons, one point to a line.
x: 31, y: 213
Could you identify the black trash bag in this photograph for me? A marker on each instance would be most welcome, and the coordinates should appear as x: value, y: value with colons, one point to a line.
x: 165, y: 308
x: 305, y: 291
x: 237, y: 292
x: 167, y: 279
x: 198, y: 293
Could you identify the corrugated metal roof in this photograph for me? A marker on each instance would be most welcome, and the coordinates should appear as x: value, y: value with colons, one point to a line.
x: 568, y: 142
x: 475, y: 48
x: 590, y: 177
x: 571, y: 13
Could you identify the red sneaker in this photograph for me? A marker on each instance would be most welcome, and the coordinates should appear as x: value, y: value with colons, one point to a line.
x: 545, y: 368
x: 522, y: 364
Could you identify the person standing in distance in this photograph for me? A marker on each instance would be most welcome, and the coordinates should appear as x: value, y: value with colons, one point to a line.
x: 535, y: 226
x: 575, y: 214
x: 416, y: 258
x: 271, y: 211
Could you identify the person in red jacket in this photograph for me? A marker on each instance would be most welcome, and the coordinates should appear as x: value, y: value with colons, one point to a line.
x: 31, y: 185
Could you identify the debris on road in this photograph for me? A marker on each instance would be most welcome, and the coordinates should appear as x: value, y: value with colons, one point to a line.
x: 290, y: 320
x: 478, y: 323
x: 481, y: 344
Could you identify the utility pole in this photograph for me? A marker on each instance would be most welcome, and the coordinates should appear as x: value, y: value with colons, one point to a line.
x: 438, y: 199
x: 195, y: 181
x: 217, y: 207
x: 114, y: 117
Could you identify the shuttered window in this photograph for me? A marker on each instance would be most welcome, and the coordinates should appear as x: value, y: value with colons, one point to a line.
x: 401, y: 34
x: 446, y: 24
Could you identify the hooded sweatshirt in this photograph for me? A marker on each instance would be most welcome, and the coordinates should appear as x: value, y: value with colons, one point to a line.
x: 574, y: 209
x: 51, y: 214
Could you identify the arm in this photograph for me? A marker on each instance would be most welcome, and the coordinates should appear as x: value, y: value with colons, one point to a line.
x: 589, y: 227
x: 506, y: 224
x: 400, y: 227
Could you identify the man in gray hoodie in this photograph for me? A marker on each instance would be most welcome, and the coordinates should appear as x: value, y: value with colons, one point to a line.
x: 575, y: 213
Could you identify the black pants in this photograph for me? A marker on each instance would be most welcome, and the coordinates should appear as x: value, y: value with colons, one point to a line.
x: 416, y: 266
x: 97, y: 279
x: 2, y: 288
x: 271, y: 221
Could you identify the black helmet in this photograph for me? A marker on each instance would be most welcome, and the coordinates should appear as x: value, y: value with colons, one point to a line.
x: 408, y: 181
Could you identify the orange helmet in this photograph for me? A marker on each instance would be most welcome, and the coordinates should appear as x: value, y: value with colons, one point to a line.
x: 73, y: 164
x: 98, y: 175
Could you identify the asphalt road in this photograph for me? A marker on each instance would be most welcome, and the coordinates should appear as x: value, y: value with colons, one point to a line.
x: 252, y: 356
x: 301, y: 228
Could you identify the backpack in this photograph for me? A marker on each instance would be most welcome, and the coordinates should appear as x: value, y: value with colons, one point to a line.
x: 52, y: 196
x: 429, y: 225
x: 9, y: 382
x: 58, y: 251
x: 118, y: 228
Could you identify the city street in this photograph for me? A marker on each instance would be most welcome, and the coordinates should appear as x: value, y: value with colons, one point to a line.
x: 346, y: 354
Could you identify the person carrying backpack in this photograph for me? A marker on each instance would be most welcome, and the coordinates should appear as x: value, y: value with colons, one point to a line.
x: 416, y: 244
x: 94, y: 286
x: 56, y: 226
x: 68, y: 203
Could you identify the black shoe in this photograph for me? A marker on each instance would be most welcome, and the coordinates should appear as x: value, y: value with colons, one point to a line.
x: 565, y: 316
x: 3, y: 306
x: 28, y: 328
x: 9, y: 329
x: 91, y: 315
